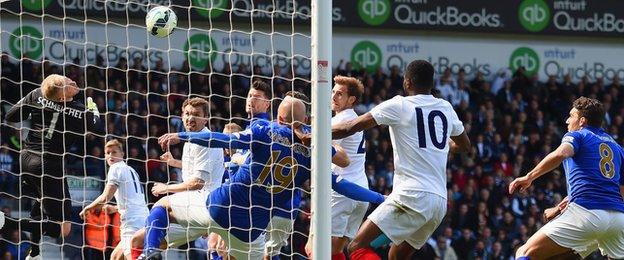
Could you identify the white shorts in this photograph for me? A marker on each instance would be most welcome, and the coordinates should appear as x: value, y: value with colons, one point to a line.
x: 346, y: 215
x: 279, y: 229
x: 190, y: 211
x: 584, y: 230
x: 127, y: 229
x: 178, y: 235
x: 411, y: 217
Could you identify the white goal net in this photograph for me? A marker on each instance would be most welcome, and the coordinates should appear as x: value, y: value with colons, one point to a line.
x: 139, y: 83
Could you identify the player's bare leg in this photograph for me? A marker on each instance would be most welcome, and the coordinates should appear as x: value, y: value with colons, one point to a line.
x: 117, y: 253
x: 338, y: 244
x: 402, y: 251
x: 65, y: 228
x: 360, y: 248
x: 540, y: 246
x: 136, y: 243
x: 567, y: 256
x: 217, y: 247
x: 137, y: 238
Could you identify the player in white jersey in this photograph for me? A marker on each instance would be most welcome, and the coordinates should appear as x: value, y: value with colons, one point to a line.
x: 347, y: 214
x: 202, y: 167
x: 420, y: 128
x: 202, y: 171
x: 122, y: 182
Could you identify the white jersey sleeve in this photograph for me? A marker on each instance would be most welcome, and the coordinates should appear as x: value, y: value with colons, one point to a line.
x: 114, y: 177
x: 457, y: 127
x: 389, y: 111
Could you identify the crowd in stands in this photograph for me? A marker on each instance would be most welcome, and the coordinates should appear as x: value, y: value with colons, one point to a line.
x: 512, y: 119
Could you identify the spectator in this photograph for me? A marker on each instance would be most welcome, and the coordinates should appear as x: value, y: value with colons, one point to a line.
x: 497, y: 252
x: 479, y: 251
x: 443, y: 250
x: 8, y: 177
x: 521, y: 203
x: 465, y: 244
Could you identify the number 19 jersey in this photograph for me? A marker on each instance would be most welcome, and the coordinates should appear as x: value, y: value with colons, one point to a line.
x: 276, y: 167
x: 420, y: 128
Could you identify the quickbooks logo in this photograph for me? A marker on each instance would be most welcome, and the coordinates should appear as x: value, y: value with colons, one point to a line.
x: 210, y: 8
x: 26, y: 41
x: 525, y: 57
x: 36, y: 5
x: 199, y: 50
x: 534, y: 15
x: 366, y: 54
x: 374, y: 12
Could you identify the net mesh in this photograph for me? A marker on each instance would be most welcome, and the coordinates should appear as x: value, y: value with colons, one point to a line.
x: 139, y: 82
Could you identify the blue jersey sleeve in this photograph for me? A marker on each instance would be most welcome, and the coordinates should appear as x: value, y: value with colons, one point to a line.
x: 333, y: 151
x: 574, y: 139
x: 218, y: 140
x: 354, y: 191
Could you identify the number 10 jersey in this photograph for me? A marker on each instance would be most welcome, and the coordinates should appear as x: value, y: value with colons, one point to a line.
x: 420, y: 128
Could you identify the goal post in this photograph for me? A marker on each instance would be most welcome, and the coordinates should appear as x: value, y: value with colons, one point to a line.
x: 321, y: 122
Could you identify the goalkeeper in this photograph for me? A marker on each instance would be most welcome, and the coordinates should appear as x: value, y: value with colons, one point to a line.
x: 240, y: 211
x: 57, y: 121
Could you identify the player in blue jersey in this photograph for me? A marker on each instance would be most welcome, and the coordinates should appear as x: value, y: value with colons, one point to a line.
x: 258, y: 103
x: 283, y: 220
x: 239, y: 211
x: 594, y: 217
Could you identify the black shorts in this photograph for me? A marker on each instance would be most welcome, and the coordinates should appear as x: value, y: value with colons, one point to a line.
x: 42, y: 178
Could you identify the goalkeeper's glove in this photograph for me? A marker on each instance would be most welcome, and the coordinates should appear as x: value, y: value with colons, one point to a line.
x: 92, y: 107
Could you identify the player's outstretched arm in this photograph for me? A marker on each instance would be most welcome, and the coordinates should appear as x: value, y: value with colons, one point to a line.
x: 188, y: 185
x: 106, y: 195
x: 460, y: 143
x: 347, y: 128
x: 173, y: 162
x: 340, y: 157
x: 549, y: 163
x: 551, y: 213
x: 354, y: 191
x: 209, y: 139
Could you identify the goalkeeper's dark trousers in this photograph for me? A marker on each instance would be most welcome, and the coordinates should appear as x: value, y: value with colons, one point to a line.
x: 43, y: 180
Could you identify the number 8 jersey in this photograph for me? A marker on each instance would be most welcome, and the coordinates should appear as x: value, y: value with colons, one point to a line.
x: 420, y: 128
x: 594, y: 172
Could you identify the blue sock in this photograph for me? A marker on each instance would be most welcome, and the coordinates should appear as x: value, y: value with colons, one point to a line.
x: 380, y: 241
x: 275, y: 257
x: 215, y: 256
x: 523, y: 258
x: 156, y: 227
